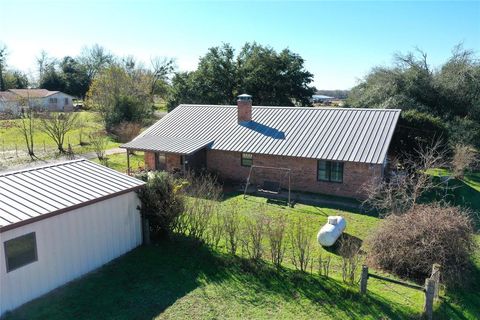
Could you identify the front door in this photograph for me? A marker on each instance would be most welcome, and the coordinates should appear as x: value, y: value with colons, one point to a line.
x: 160, y: 161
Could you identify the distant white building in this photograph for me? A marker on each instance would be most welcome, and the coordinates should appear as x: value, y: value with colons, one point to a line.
x: 61, y: 221
x: 14, y: 100
x: 321, y: 98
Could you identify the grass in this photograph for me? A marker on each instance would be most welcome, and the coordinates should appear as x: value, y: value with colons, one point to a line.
x: 119, y: 161
x: 464, y: 192
x: 11, y: 137
x: 182, y: 279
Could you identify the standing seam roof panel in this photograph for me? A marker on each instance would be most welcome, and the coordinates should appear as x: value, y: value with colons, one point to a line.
x: 358, y: 135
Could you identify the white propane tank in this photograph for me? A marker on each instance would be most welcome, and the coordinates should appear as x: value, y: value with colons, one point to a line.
x: 330, y: 232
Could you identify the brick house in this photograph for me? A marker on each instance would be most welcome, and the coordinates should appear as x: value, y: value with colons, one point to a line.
x: 328, y: 150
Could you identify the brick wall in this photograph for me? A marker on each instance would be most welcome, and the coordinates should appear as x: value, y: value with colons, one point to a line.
x: 149, y: 158
x: 303, y: 174
x: 172, y: 161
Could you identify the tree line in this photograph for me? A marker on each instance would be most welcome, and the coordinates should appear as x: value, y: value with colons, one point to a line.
x: 437, y: 103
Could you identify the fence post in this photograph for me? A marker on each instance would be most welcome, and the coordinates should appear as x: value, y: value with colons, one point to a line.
x: 436, y: 277
x: 429, y: 295
x: 364, y: 280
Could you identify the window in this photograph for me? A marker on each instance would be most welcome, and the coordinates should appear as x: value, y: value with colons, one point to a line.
x: 330, y: 171
x: 20, y: 251
x: 160, y: 161
x: 66, y: 101
x: 247, y: 159
x: 53, y: 100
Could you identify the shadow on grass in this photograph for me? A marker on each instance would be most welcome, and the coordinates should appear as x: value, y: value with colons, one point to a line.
x: 147, y: 281
x: 354, y: 245
x: 459, y: 193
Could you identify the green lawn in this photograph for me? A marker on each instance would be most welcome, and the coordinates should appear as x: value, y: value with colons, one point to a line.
x: 10, y: 135
x: 181, y: 279
x: 465, y: 192
x: 119, y: 161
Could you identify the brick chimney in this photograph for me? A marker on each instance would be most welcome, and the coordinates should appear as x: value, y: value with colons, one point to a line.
x: 244, y: 107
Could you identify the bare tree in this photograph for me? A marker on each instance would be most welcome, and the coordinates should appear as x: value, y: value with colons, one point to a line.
x: 3, y: 62
x: 57, y: 125
x: 27, y: 126
x: 463, y: 158
x: 403, y: 189
x: 301, y: 244
x: 99, y: 142
x: 276, y: 235
x: 161, y: 68
x: 95, y: 58
x: 44, y: 62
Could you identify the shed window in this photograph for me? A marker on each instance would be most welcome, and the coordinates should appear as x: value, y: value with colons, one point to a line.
x: 247, y: 159
x: 330, y: 171
x: 20, y: 251
x: 66, y: 101
x: 53, y: 100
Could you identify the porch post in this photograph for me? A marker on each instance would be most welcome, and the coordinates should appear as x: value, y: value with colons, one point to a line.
x: 128, y: 161
x: 183, y: 163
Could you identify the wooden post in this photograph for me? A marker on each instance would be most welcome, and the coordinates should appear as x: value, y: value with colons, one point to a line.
x: 289, y: 181
x: 436, y: 277
x: 429, y: 295
x: 364, y: 280
x: 128, y: 161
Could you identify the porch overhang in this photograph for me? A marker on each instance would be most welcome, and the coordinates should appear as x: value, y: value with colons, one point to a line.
x: 175, y: 145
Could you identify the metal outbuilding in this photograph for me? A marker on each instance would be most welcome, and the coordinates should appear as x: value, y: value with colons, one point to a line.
x: 60, y: 221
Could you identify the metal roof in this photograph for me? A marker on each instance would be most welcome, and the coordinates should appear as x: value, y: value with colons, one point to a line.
x: 341, y: 134
x: 37, y: 193
x: 178, y: 145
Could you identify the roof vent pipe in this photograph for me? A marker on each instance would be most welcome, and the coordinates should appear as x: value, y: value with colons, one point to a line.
x: 244, y: 108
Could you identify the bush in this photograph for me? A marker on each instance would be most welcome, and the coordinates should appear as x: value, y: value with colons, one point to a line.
x: 301, y: 244
x: 409, y: 244
x: 416, y: 129
x: 254, y: 233
x: 463, y: 159
x: 126, y: 131
x: 276, y: 235
x: 231, y: 227
x: 161, y: 202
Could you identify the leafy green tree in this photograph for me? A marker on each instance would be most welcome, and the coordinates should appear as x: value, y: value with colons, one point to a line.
x: 416, y: 129
x: 120, y: 94
x: 450, y: 93
x: 272, y: 78
x: 52, y: 79
x: 75, y: 77
x: 15, y: 79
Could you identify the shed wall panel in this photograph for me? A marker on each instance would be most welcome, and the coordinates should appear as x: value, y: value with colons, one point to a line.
x: 70, y: 245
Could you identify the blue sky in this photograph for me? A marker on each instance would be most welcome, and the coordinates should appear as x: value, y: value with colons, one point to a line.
x: 340, y: 41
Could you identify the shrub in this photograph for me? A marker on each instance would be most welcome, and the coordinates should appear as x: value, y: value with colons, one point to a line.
x: 408, y: 245
x: 161, y: 202
x: 231, y: 226
x: 126, y: 131
x: 276, y: 236
x: 254, y: 233
x: 202, y: 206
x: 301, y: 243
x: 416, y: 129
x: 99, y: 142
x: 463, y: 158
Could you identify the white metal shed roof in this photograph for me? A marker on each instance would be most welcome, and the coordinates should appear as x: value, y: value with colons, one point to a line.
x: 341, y: 134
x: 37, y: 193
